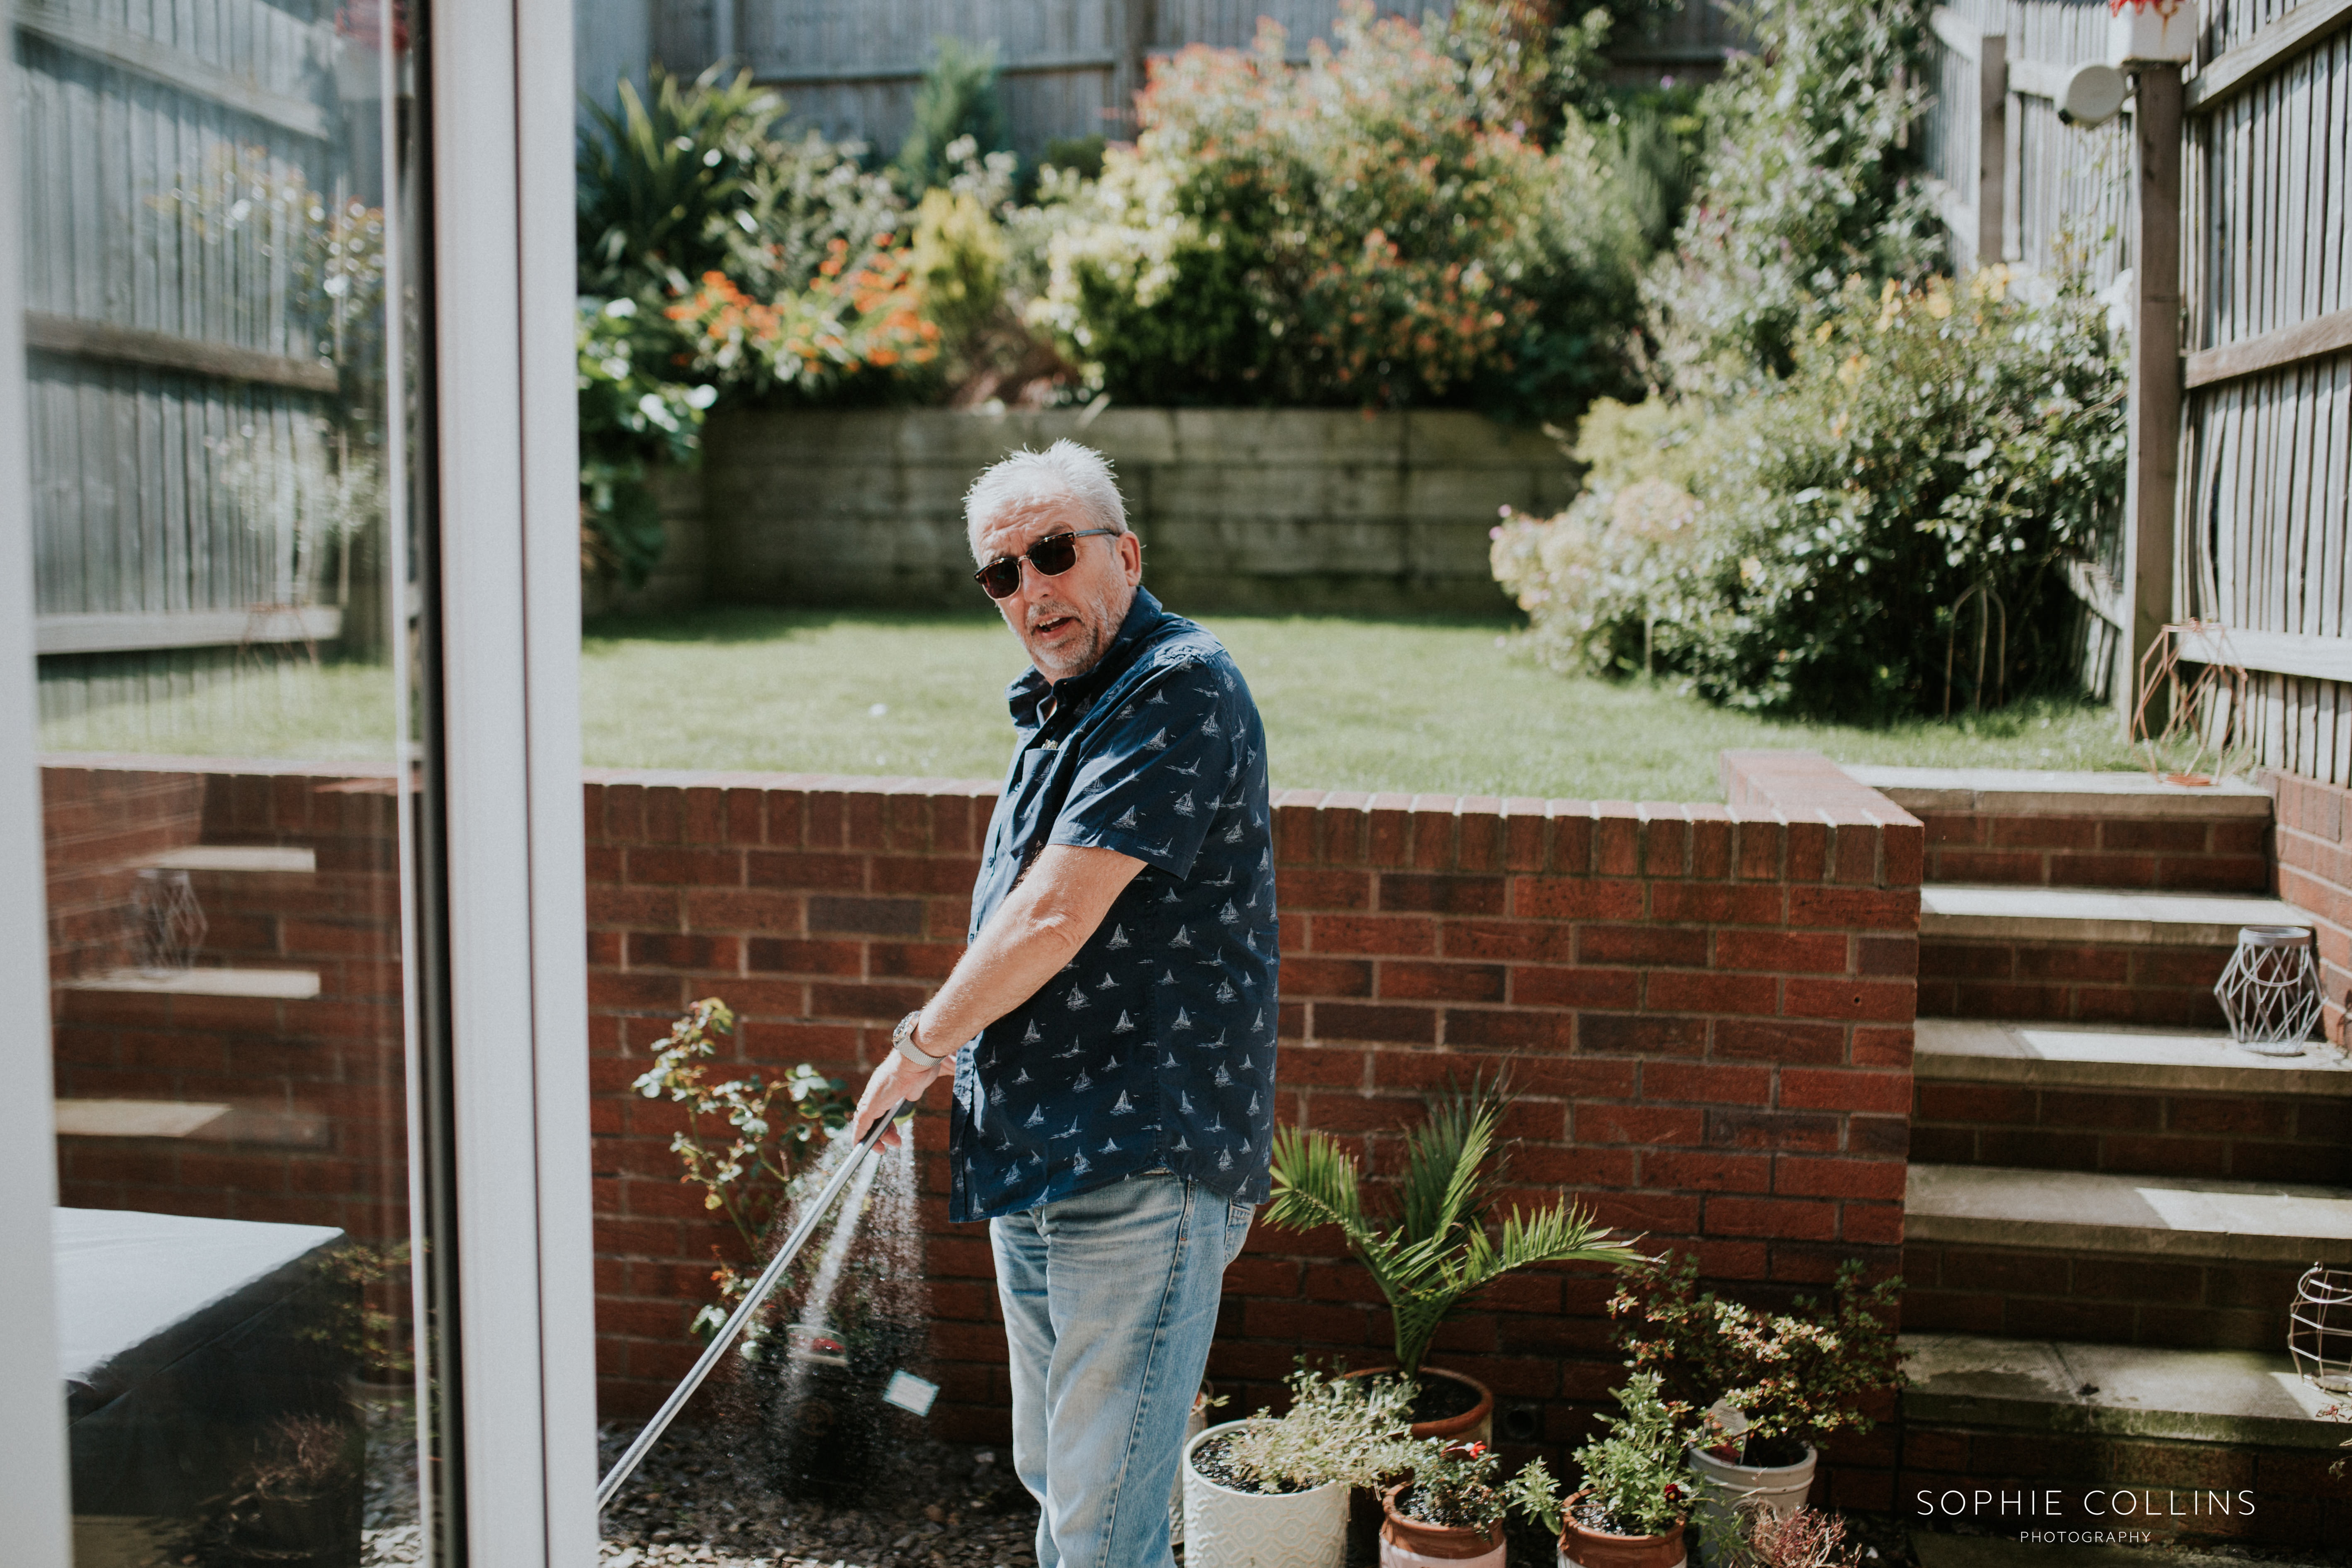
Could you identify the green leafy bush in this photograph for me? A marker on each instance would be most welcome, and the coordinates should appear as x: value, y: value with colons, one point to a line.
x: 1810, y: 178
x: 1353, y: 232
x: 958, y: 100
x: 1825, y: 543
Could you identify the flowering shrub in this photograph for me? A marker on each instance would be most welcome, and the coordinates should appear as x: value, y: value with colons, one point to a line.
x: 1453, y: 1485
x: 1350, y: 232
x: 858, y: 315
x: 1809, y: 545
x: 1797, y: 1376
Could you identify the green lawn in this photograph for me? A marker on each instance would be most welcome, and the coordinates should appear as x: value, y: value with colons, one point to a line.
x: 1437, y: 707
x: 1417, y: 706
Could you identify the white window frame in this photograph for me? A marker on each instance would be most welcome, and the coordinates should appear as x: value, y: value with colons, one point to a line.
x: 514, y: 892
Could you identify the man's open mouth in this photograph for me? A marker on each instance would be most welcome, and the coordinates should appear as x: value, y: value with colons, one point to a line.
x: 1052, y: 624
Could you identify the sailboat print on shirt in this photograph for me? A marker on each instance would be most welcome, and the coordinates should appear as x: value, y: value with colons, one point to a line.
x: 1072, y: 1131
x: 1083, y: 1082
x: 1106, y: 984
x: 1223, y: 1078
x: 1077, y: 1000
x: 1079, y: 1165
x: 1183, y: 805
x: 1110, y: 1146
x: 1126, y: 1107
x: 1233, y: 834
x: 1229, y: 915
x: 1183, y: 938
x: 1226, y: 992
x: 1183, y: 1020
x: 1036, y: 1118
x: 1167, y: 977
x: 1033, y: 1036
x: 1125, y: 1026
x: 1170, y: 897
x: 1158, y: 741
x: 1119, y: 934
x: 1127, y: 819
x: 1022, y: 1079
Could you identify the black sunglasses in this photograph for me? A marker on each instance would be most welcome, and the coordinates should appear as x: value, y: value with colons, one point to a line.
x: 1052, y: 555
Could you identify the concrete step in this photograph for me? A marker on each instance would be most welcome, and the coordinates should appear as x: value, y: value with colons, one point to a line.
x: 244, y: 857
x: 2061, y: 1388
x: 2158, y: 1102
x: 2062, y: 1446
x: 2106, y: 1057
x: 2129, y: 1216
x: 2134, y: 1260
x: 2082, y: 829
x: 2082, y: 955
x: 1995, y: 913
x: 278, y: 985
x: 197, y: 1121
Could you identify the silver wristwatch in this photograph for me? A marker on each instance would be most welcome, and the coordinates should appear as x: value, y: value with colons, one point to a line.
x: 902, y: 1041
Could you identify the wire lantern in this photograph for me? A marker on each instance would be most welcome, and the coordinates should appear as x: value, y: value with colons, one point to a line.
x: 166, y: 925
x: 2269, y: 990
x: 2319, y: 1329
x: 2206, y: 734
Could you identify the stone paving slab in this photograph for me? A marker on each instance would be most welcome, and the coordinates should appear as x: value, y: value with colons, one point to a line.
x: 2169, y: 1217
x: 2019, y: 792
x: 2008, y: 913
x: 2042, y: 1386
x: 2097, y: 1055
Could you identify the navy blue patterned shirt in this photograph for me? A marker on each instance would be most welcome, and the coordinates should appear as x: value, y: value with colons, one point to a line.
x: 1154, y: 1048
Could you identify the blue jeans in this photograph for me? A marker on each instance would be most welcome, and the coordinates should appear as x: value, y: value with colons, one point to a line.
x: 1110, y: 1302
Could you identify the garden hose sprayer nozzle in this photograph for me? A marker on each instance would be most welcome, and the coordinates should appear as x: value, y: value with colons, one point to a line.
x: 629, y: 1462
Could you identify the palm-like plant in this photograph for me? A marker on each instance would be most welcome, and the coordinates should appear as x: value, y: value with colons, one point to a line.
x: 1445, y: 1247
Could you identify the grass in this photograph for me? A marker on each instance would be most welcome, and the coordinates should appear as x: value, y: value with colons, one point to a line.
x: 1412, y: 706
x: 1437, y: 707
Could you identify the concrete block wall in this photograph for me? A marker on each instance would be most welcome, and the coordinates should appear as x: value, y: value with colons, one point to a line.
x: 1706, y: 1011
x: 1270, y: 510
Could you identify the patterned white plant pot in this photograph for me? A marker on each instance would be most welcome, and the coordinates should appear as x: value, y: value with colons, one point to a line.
x: 1229, y: 1528
x: 1723, y: 1485
x: 2161, y: 30
x: 1195, y: 1422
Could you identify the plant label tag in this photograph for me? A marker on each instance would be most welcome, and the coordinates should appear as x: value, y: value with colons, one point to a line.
x: 1728, y: 1419
x: 911, y: 1394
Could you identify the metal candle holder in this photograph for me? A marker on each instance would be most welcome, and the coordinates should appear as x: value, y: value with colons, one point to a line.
x: 166, y: 925
x: 2319, y: 1329
x: 2270, y: 990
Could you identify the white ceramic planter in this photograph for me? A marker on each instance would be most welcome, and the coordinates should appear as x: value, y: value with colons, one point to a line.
x: 2153, y: 30
x: 1195, y: 1422
x: 1723, y: 1485
x: 1229, y: 1528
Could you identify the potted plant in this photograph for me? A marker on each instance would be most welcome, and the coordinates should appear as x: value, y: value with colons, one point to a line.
x: 1636, y: 1495
x: 303, y: 1503
x: 1450, y: 1511
x: 1272, y: 1492
x: 1806, y: 1538
x: 1760, y: 1389
x: 1442, y: 1245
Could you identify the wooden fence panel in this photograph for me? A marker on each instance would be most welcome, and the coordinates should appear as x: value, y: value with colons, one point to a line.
x: 2267, y: 424
x: 175, y: 177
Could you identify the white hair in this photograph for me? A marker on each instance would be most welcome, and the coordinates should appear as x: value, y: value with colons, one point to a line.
x: 1064, y: 470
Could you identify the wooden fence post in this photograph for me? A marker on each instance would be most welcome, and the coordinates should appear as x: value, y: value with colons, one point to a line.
x: 2155, y: 429
x: 1992, y: 147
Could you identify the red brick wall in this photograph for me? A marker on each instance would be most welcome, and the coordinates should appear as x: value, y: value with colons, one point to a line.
x: 2311, y: 838
x: 1707, y: 1012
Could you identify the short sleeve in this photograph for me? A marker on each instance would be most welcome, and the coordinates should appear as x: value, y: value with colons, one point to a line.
x: 1155, y: 770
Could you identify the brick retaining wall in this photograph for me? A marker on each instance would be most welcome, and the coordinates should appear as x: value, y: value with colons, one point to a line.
x: 1706, y: 1011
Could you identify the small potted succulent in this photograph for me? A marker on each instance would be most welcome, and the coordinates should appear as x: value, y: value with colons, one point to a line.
x: 1759, y: 1390
x: 1637, y: 1493
x: 1443, y: 1245
x: 1272, y: 1492
x: 1450, y: 1511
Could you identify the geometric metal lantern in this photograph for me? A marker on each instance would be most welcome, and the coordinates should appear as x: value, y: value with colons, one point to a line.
x: 2319, y: 1329
x: 2270, y: 990
x: 166, y: 923
x: 2205, y: 734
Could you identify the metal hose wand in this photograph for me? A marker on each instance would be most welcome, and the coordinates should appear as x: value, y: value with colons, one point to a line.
x: 629, y: 1462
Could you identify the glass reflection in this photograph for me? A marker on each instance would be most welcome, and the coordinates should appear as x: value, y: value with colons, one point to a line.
x: 212, y: 222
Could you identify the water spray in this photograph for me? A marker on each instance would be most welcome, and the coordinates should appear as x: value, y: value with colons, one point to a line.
x: 629, y: 1462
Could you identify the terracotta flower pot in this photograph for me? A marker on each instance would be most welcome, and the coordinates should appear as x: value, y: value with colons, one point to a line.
x: 1474, y: 1425
x: 1407, y: 1542
x: 1583, y: 1548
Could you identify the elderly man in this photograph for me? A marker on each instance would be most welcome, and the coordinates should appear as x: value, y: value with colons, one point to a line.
x: 1112, y: 1022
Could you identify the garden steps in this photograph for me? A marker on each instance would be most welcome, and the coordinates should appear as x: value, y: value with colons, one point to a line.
x: 2081, y: 955
x: 2082, y: 829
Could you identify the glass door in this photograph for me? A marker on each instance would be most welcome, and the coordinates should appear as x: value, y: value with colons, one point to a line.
x: 214, y: 230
